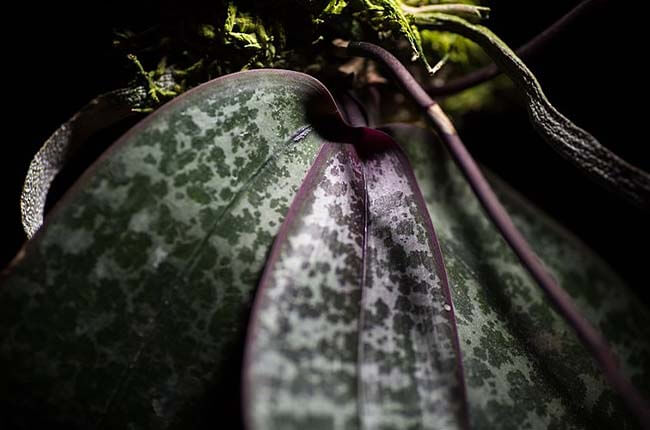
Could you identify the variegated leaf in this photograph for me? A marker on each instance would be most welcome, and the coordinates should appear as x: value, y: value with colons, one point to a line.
x: 524, y: 367
x: 353, y: 325
x: 127, y: 309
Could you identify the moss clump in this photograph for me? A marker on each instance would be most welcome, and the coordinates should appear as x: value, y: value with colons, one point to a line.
x: 194, y: 41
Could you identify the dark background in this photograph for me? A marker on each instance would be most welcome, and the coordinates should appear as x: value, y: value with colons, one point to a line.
x: 59, y: 56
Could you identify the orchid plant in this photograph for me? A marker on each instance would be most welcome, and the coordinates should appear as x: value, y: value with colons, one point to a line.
x: 263, y: 247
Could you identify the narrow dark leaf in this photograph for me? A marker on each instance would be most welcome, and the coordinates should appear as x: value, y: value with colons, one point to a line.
x: 569, y: 140
x: 354, y: 325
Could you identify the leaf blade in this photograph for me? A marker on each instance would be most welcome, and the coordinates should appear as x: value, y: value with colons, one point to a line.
x: 524, y: 366
x: 399, y: 362
x: 166, y: 238
x: 427, y: 352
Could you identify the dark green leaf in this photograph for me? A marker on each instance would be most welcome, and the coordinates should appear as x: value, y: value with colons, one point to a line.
x: 125, y: 308
x: 524, y: 367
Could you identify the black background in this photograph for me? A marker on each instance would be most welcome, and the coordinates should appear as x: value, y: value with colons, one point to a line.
x: 59, y: 56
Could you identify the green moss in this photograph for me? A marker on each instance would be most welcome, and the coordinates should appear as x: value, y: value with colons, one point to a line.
x: 481, y: 97
x: 156, y: 90
x: 224, y: 36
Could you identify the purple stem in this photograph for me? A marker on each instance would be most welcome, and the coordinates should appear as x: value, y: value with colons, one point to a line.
x: 535, y: 44
x: 563, y: 303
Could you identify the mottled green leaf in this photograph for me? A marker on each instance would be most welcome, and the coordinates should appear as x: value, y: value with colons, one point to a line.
x: 524, y: 367
x: 353, y: 325
x: 127, y: 308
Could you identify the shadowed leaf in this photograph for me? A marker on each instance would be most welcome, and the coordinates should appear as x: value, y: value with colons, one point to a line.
x: 127, y: 308
x: 524, y: 367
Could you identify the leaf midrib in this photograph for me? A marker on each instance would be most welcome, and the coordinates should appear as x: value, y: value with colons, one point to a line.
x: 364, y: 266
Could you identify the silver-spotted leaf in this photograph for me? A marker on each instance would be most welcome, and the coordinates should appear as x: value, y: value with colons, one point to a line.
x: 524, y: 367
x: 127, y: 308
x: 353, y: 325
